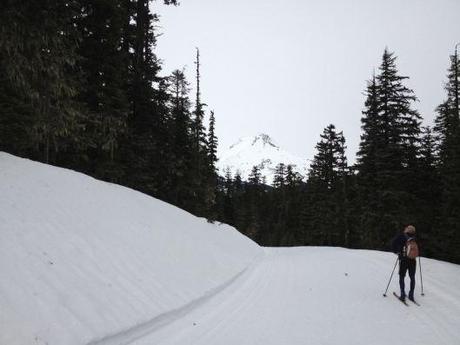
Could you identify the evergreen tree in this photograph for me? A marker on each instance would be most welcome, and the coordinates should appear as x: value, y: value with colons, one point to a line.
x: 38, y: 59
x: 388, y: 156
x: 400, y: 124
x: 228, y: 200
x: 371, y: 137
x: 203, y: 198
x: 324, y: 209
x: 181, y: 192
x: 329, y: 164
x: 252, y: 203
x: 198, y: 127
x: 146, y: 146
x: 279, y: 176
x: 279, y: 203
x: 212, y: 142
x: 211, y: 183
x: 255, y: 176
x: 105, y: 64
x: 428, y: 194
x: 293, y: 233
x: 238, y: 200
x: 448, y: 135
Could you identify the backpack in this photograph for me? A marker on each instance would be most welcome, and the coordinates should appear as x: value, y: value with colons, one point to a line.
x: 411, y: 248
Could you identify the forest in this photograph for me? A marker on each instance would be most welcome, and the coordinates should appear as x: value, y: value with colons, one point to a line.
x: 85, y: 90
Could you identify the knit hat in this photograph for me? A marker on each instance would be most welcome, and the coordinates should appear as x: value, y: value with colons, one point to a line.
x: 410, y: 229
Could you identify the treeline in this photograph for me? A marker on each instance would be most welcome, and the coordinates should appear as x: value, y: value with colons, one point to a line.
x: 81, y: 87
x: 405, y: 174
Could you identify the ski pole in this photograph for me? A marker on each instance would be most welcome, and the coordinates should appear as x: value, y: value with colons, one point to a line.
x: 385, y: 293
x: 421, y: 278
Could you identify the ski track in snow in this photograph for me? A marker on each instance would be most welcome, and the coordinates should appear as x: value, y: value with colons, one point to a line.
x: 134, y: 333
x: 115, y: 267
x: 287, y: 297
x: 82, y: 259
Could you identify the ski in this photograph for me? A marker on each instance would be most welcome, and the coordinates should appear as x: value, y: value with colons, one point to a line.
x: 415, y: 302
x: 399, y: 299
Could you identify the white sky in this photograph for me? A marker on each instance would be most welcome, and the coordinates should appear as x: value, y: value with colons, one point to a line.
x: 288, y: 68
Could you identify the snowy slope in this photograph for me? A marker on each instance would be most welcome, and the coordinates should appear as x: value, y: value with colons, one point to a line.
x: 81, y: 259
x: 260, y: 150
x: 91, y: 263
x: 322, y: 296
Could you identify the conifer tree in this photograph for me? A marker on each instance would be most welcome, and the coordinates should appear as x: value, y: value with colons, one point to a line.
x: 212, y: 142
x: 293, y: 234
x: 105, y: 64
x: 329, y: 164
x: 428, y: 193
x: 145, y: 146
x: 38, y: 59
x: 198, y: 127
x: 252, y: 203
x: 324, y: 213
x: 211, y: 182
x: 228, y: 199
x: 400, y: 124
x: 279, y: 176
x: 373, y: 143
x: 203, y: 199
x: 388, y: 156
x: 447, y: 127
x: 181, y: 192
x: 371, y: 138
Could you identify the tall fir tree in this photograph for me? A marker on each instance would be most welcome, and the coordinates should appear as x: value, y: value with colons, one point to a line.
x: 212, y: 141
x: 38, y: 69
x: 146, y: 144
x: 371, y: 137
x: 105, y: 65
x: 202, y: 199
x: 428, y: 194
x: 212, y: 175
x: 181, y: 174
x: 324, y: 209
x: 447, y: 128
x: 388, y: 156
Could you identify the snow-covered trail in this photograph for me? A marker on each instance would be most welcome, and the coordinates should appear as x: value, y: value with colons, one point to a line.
x: 84, y: 262
x: 321, y: 296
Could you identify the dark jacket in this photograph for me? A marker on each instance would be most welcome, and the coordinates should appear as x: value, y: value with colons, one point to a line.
x: 398, y: 244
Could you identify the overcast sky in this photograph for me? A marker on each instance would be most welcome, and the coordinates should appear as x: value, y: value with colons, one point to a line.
x: 288, y: 68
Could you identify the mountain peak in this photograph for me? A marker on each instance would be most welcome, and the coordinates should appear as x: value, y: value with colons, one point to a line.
x: 259, y: 150
x: 265, y: 139
x: 260, y: 139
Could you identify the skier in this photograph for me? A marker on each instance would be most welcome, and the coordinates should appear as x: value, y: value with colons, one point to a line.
x: 405, y: 246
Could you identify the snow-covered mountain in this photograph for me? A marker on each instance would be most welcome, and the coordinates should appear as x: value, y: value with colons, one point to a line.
x: 260, y: 150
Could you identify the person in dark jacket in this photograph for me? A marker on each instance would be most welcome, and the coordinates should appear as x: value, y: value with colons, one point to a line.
x: 405, y: 264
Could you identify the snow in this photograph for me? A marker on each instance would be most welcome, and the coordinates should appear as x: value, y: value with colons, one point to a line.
x: 327, y: 296
x: 92, y: 263
x: 260, y: 150
x: 81, y: 259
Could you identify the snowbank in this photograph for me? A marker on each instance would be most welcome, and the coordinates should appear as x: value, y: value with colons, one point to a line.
x: 82, y: 259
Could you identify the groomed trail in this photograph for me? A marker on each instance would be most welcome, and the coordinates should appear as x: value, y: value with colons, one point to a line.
x: 319, y: 296
x: 84, y: 262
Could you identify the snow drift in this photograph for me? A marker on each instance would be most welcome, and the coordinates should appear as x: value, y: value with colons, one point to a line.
x: 82, y: 259
x: 90, y: 263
